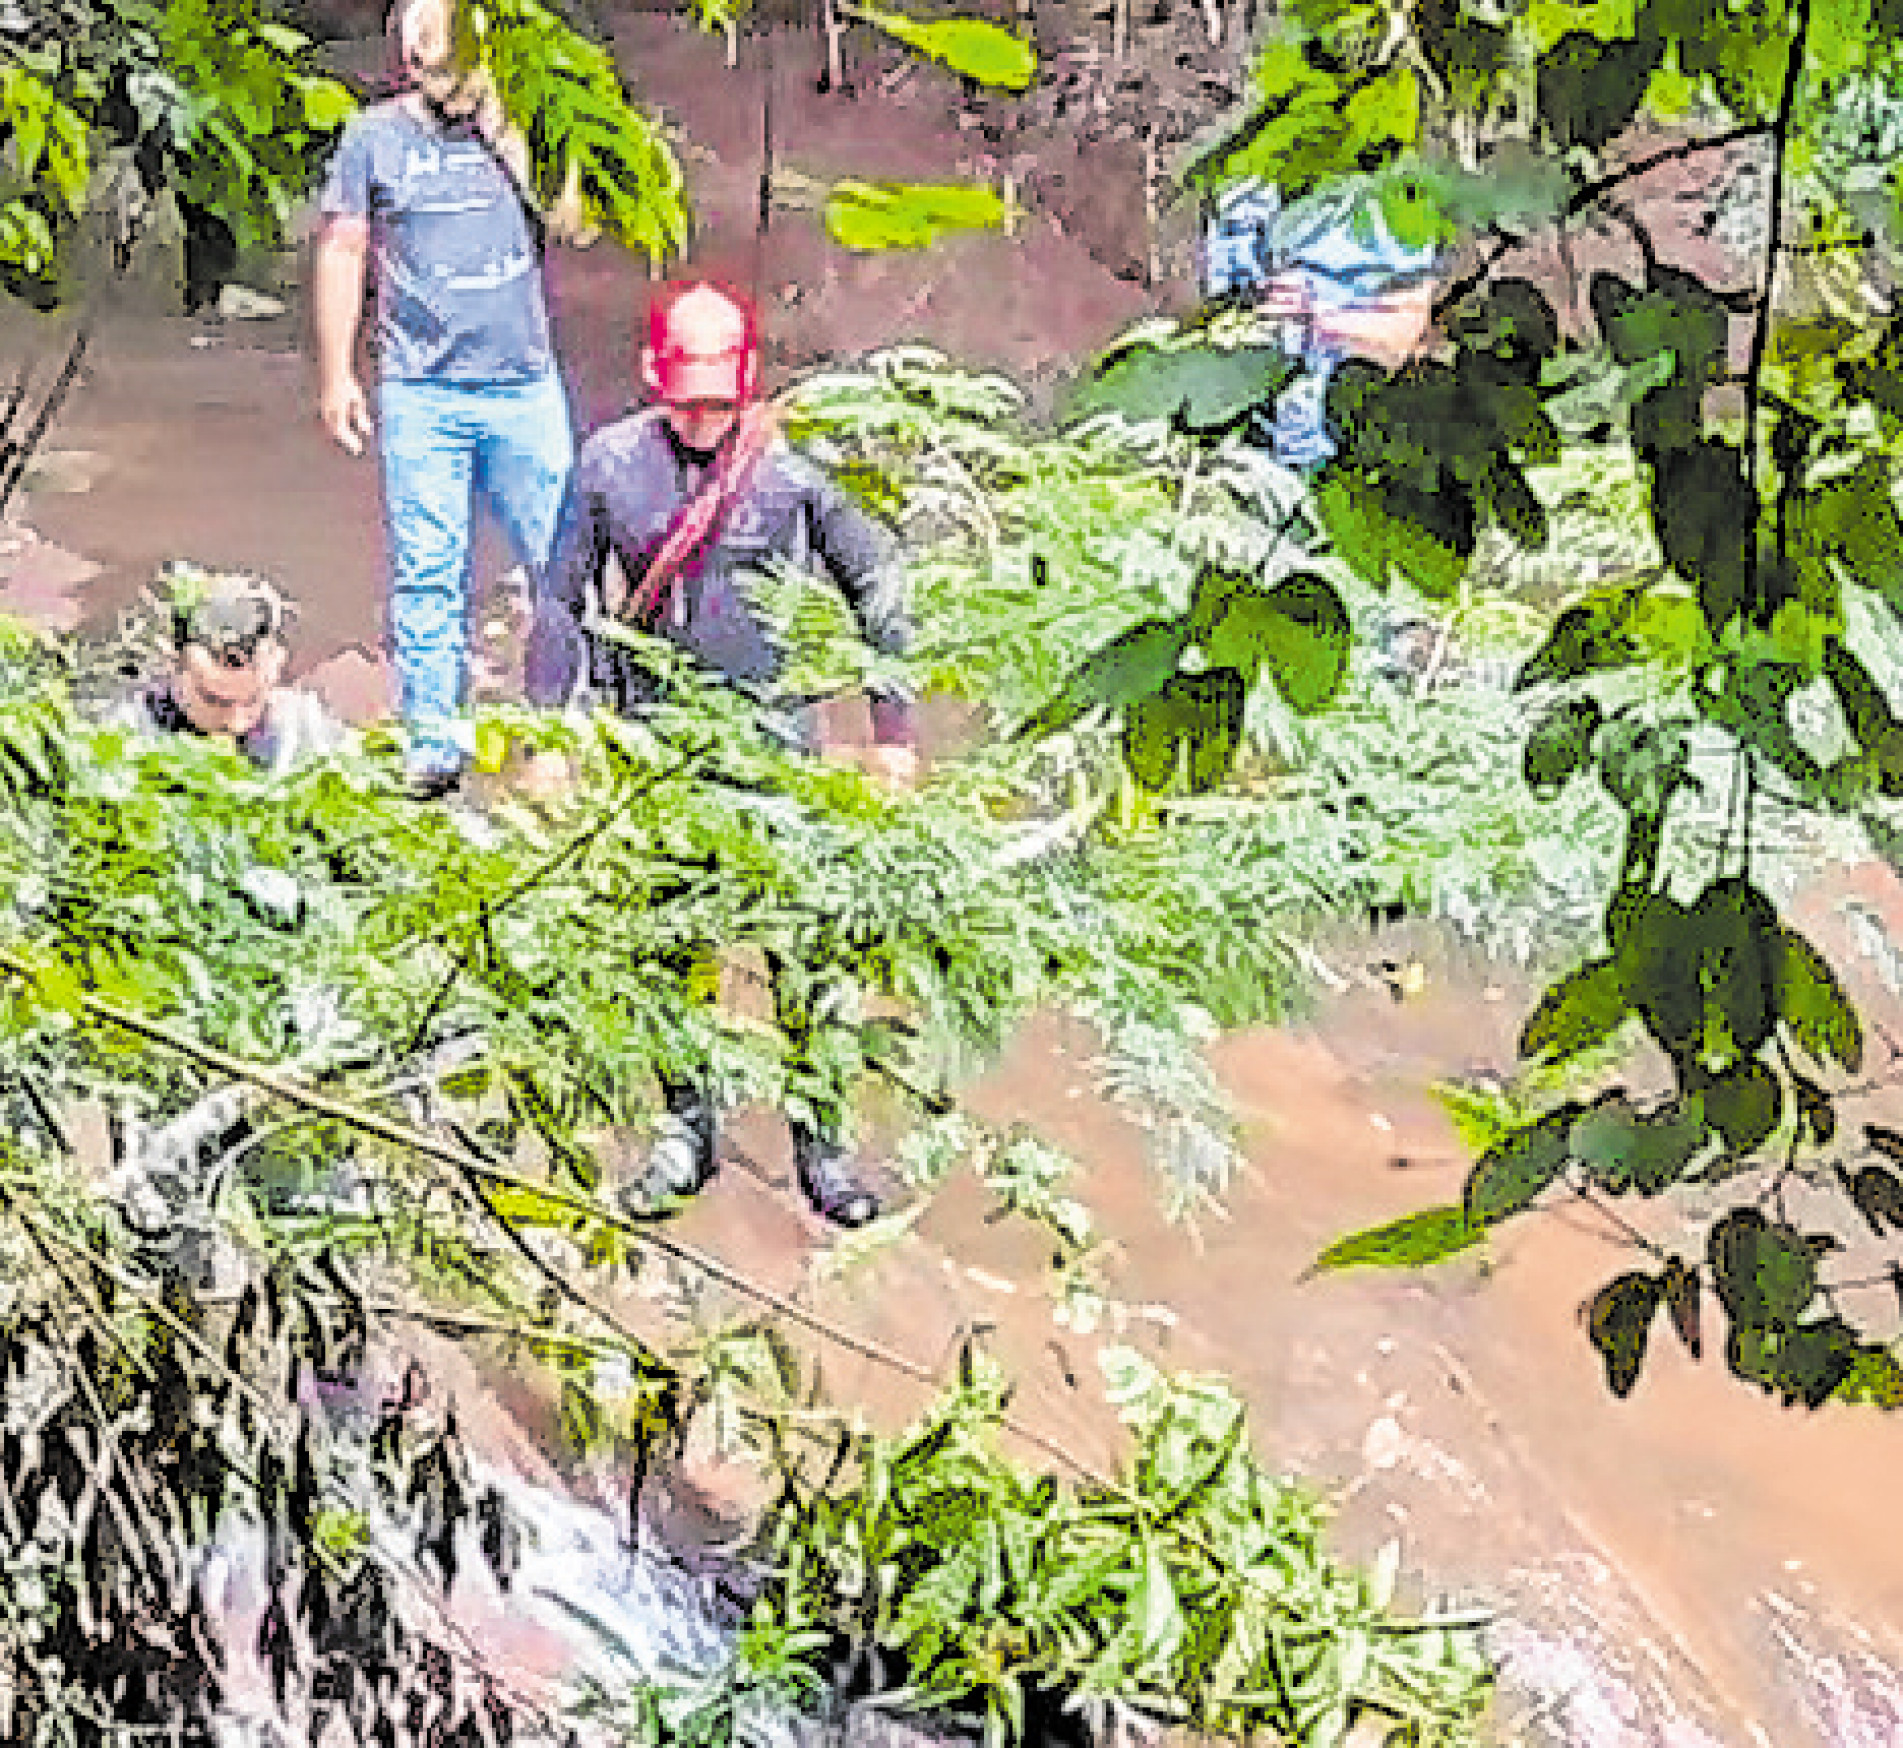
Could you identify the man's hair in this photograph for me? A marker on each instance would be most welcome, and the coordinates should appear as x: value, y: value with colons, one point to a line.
x: 230, y: 613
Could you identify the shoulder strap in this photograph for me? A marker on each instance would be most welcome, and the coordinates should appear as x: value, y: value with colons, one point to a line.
x: 697, y: 524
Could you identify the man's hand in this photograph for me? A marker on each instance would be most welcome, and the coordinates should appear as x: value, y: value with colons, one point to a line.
x: 345, y: 410
x: 893, y: 764
x: 544, y: 777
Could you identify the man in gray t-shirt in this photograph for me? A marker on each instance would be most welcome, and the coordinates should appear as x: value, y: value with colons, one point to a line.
x: 431, y: 188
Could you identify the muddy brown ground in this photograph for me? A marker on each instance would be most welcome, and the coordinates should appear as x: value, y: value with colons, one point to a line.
x: 1690, y: 1566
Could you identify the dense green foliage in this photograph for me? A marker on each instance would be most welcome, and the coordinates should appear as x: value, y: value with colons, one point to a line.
x: 1192, y: 1588
x: 468, y: 1011
x: 1736, y: 670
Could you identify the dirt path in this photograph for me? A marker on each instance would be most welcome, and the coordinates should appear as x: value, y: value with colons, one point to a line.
x: 1684, y: 1568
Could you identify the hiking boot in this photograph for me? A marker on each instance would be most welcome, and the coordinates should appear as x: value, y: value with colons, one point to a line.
x: 836, y: 1180
x: 679, y: 1162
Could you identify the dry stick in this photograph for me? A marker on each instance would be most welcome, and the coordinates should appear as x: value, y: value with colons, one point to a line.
x: 1767, y: 294
x: 21, y: 455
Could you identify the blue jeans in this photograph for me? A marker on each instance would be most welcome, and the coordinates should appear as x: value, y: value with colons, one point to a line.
x: 441, y: 444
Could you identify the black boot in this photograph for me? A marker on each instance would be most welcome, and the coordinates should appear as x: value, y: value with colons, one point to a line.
x: 835, y: 1179
x: 681, y: 1159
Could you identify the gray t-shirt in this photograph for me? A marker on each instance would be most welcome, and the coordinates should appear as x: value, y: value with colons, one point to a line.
x: 458, y: 266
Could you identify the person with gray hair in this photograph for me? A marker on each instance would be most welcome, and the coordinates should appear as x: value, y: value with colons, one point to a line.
x: 225, y: 678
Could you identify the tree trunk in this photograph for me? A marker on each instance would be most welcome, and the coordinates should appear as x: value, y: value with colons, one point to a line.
x: 1152, y: 242
x: 834, y: 29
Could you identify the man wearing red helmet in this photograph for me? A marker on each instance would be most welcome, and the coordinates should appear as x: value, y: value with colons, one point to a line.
x: 689, y: 496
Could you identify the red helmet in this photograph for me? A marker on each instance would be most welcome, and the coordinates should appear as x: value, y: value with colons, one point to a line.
x: 703, y: 344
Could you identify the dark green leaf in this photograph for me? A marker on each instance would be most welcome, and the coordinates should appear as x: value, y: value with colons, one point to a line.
x: 1580, y: 1012
x: 1812, y: 1003
x: 1133, y: 665
x: 1216, y: 703
x: 1657, y: 953
x: 1706, y: 516
x: 1623, y: 1149
x: 1736, y: 928
x: 1201, y: 390
x: 1807, y: 1364
x: 1620, y: 1322
x: 1743, y: 1104
x: 1511, y: 1176
x: 1763, y: 1274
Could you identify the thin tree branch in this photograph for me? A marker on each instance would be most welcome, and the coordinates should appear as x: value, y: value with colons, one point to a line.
x: 1773, y: 251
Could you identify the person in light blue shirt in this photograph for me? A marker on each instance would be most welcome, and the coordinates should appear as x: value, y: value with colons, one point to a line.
x: 1328, y: 269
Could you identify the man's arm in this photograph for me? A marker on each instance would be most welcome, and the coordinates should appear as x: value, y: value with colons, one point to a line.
x: 343, y: 247
x: 565, y: 220
x: 864, y: 561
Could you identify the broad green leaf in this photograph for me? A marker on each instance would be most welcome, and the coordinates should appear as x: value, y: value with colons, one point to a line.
x: 1706, y: 514
x: 1216, y: 702
x: 1813, y: 1004
x: 1511, y: 1176
x: 1133, y: 665
x: 1620, y: 1322
x: 1743, y: 1104
x: 1589, y: 90
x: 1588, y: 638
x: 1763, y: 1274
x: 1299, y: 630
x: 1580, y: 1012
x: 1377, y: 542
x: 1853, y: 519
x: 1202, y: 390
x: 1736, y: 928
x: 1656, y: 950
x: 1156, y: 730
x: 875, y: 216
x: 1623, y: 1149
x: 1807, y: 1364
x: 1414, y: 1241
x: 972, y: 46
